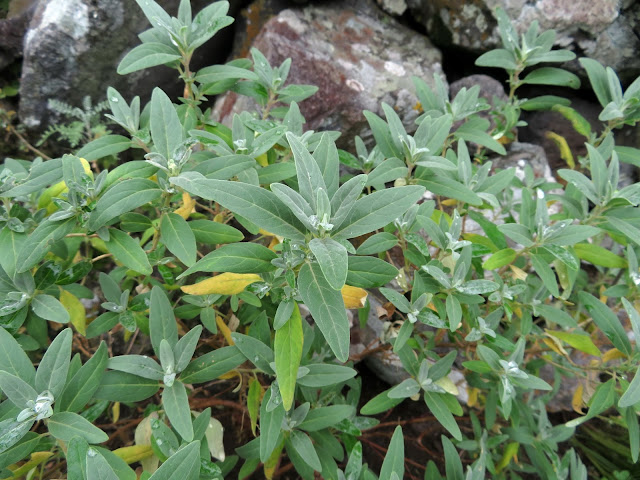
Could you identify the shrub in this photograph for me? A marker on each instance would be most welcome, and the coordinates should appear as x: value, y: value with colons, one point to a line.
x: 237, y: 227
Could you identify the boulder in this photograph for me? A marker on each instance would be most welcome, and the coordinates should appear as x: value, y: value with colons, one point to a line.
x: 356, y: 55
x: 72, y: 49
x: 606, y: 30
x: 12, y: 29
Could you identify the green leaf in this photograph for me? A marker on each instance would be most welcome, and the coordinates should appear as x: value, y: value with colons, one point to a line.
x: 545, y: 273
x: 179, y: 238
x: 326, y: 307
x: 213, y: 364
x: 49, y: 308
x: 243, y: 257
x: 378, y: 209
x: 17, y: 391
x: 394, y: 459
x: 564, y: 255
x: 325, y: 374
x: 556, y: 315
x: 185, y: 463
x: 631, y: 419
x: 380, y: 403
x: 129, y: 170
x: 599, y: 256
x: 630, y: 231
x: 186, y: 346
x: 270, y: 426
x: 121, y: 198
x: 544, y: 102
x: 213, y: 233
x: 571, y: 235
x: 217, y: 73
x: 78, y: 391
x: 453, y: 465
x: 39, y: 242
x: 607, y: 321
x: 327, y: 158
x: 500, y: 259
x: 14, y: 360
x: 256, y: 204
x: 46, y: 173
x: 125, y: 387
x: 333, y: 260
x: 380, y: 242
x: 381, y: 133
x: 104, y: 147
x: 176, y: 406
x: 552, y: 76
x: 97, y: 466
x: 310, y: 178
x: 54, y: 366
x: 147, y: 55
x: 497, y: 58
x: 598, y: 78
x: 369, y: 272
x: 603, y: 398
x: 255, y: 351
x: 128, y: 251
x: 517, y: 232
x: 301, y: 443
x: 66, y: 425
x: 166, y: 130
x: 287, y: 345
x: 450, y: 188
x: 139, y: 365
x: 324, y: 417
x: 162, y: 322
x: 10, y: 243
x: 439, y: 408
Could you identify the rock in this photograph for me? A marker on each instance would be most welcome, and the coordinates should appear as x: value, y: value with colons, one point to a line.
x: 12, y: 30
x: 72, y: 49
x: 356, y: 55
x: 393, y: 7
x: 606, y: 30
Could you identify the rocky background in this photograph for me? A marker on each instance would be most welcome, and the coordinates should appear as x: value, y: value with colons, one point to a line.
x: 359, y: 53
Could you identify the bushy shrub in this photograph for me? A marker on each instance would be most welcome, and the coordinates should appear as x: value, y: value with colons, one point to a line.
x: 230, y: 230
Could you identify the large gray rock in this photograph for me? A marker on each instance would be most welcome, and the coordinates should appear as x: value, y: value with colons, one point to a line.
x: 356, y: 55
x: 72, y: 49
x: 12, y: 30
x: 606, y: 30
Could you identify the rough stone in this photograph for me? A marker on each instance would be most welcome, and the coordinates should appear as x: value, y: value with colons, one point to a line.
x: 72, y: 49
x: 12, y: 30
x: 356, y: 55
x: 606, y: 30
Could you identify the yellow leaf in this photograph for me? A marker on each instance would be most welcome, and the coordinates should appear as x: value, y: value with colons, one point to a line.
x: 76, y: 311
x: 563, y: 146
x: 447, y: 384
x: 223, y: 284
x: 115, y: 410
x: 226, y: 332
x: 612, y: 354
x: 472, y: 392
x: 353, y: 297
x: 510, y: 452
x: 518, y: 273
x: 187, y: 206
x: 272, y: 462
x: 134, y: 453
x: 576, y: 400
x: 554, y: 344
x: 36, y: 459
x: 262, y: 160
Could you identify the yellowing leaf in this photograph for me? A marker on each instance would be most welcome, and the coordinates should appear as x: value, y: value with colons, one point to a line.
x: 134, y: 453
x: 518, y: 273
x: 262, y: 160
x: 577, y: 341
x: 510, y: 452
x: 226, y: 332
x: 115, y: 411
x: 223, y: 284
x: 36, y: 459
x: 353, y: 297
x: 612, y: 354
x: 472, y: 393
x: 187, y: 207
x: 449, y: 202
x: 447, y: 384
x: 76, y: 311
x: 576, y: 400
x: 556, y: 345
x: 563, y: 146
